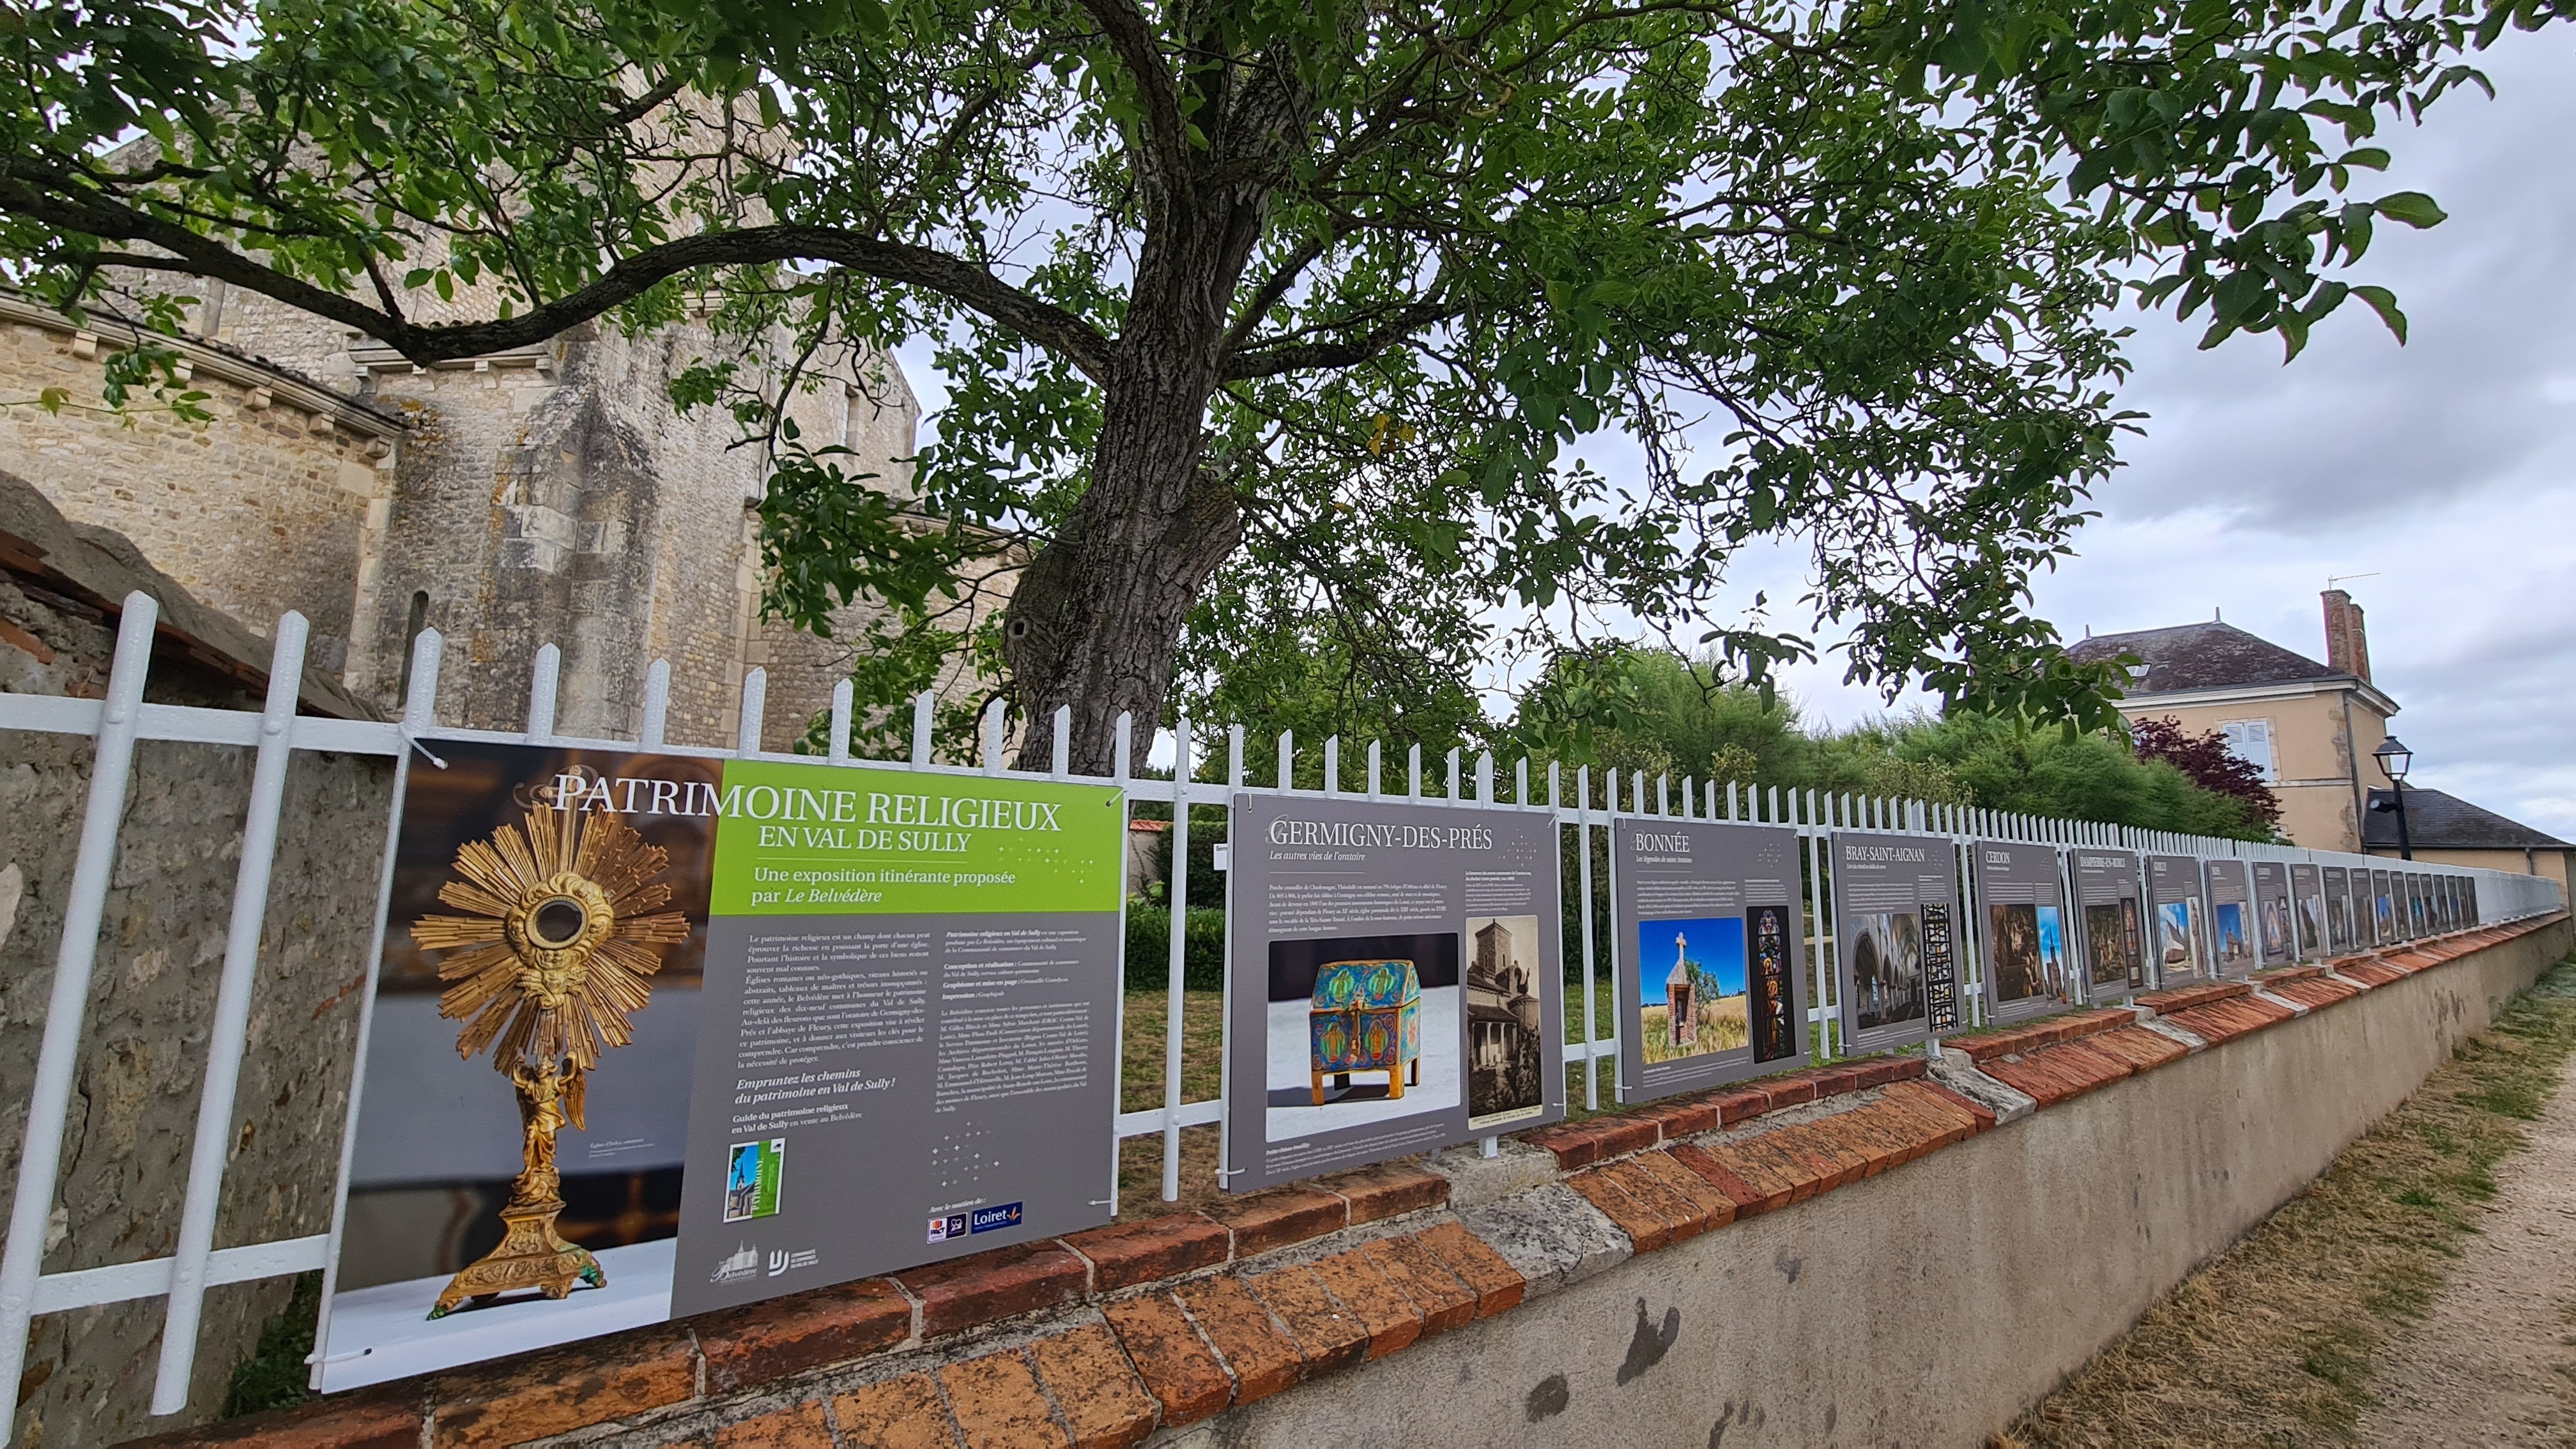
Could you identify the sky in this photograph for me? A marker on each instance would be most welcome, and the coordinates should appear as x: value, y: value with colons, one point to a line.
x: 2443, y: 471
x: 2446, y: 467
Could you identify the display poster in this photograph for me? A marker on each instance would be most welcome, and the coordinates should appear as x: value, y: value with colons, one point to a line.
x: 2419, y: 904
x: 2459, y: 903
x: 2114, y: 921
x: 2469, y: 893
x: 2343, y: 926
x: 2231, y: 916
x: 2030, y: 963
x: 2308, y: 912
x: 656, y: 1034
x: 2175, y: 891
x: 2383, y: 909
x: 1712, y: 953
x: 2274, y: 929
x: 1895, y: 927
x: 1396, y: 984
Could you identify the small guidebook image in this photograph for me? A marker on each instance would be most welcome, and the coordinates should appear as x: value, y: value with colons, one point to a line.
x: 2029, y: 949
x: 2178, y: 952
x: 752, y: 1176
x: 1705, y: 1002
x: 1362, y: 1029
x: 2110, y: 939
x: 1506, y: 1040
x: 2227, y: 934
x: 1887, y: 968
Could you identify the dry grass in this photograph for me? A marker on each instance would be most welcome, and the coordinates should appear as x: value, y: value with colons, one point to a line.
x: 2274, y: 1342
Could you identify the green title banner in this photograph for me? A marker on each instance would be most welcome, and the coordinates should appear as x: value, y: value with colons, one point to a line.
x: 802, y: 840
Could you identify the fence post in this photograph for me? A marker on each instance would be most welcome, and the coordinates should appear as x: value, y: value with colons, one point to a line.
x: 1179, y: 897
x: 1583, y: 853
x: 657, y: 705
x: 226, y: 1036
x: 993, y: 738
x: 837, y: 750
x: 755, y: 702
x: 40, y: 1160
x: 925, y: 707
x: 542, y: 681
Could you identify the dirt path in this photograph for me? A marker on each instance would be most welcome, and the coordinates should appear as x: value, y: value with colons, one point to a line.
x: 2489, y: 1363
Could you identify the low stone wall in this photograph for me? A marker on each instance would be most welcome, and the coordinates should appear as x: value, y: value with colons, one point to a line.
x: 1887, y: 1251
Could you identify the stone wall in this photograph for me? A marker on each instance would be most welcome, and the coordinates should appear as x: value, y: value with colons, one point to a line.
x: 260, y: 511
x: 1882, y: 1251
x: 547, y: 495
x: 89, y: 1372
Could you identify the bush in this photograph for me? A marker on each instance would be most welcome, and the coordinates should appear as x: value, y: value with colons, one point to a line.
x: 1149, y: 948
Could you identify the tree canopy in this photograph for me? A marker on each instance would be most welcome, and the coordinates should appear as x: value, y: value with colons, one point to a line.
x: 1679, y: 719
x: 1373, y: 321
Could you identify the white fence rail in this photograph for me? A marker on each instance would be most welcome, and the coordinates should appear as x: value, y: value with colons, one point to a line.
x: 117, y: 722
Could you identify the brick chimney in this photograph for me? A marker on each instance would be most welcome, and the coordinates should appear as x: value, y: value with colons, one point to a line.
x: 2347, y: 647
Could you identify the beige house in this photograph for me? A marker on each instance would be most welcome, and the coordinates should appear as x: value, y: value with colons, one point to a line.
x: 2309, y: 727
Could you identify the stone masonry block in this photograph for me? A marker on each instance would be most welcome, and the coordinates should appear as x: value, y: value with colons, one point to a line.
x: 1385, y: 1311
x: 986, y: 1287
x: 1123, y: 1255
x: 1328, y: 1335
x: 765, y: 1341
x: 562, y: 1390
x: 1175, y: 1363
x: 1487, y: 1274
x: 900, y: 1413
x: 1103, y: 1404
x: 1414, y: 1270
x: 1551, y: 1237
x: 1275, y: 1219
x: 1388, y: 1189
x: 998, y: 1405
x: 1262, y: 1359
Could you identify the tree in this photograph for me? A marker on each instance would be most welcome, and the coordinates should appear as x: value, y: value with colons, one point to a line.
x: 1272, y: 284
x: 2208, y: 761
x: 1677, y: 718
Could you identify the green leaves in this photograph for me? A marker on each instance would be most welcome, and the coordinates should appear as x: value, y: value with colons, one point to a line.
x: 1498, y: 320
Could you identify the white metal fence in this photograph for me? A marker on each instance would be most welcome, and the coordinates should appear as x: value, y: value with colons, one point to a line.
x: 121, y: 719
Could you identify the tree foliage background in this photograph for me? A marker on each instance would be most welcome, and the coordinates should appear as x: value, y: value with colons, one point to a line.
x: 1279, y: 331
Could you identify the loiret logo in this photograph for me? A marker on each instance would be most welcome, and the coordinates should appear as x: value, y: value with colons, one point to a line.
x: 994, y: 1219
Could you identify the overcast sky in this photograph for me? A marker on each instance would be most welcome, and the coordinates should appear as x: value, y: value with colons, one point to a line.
x: 2447, y: 467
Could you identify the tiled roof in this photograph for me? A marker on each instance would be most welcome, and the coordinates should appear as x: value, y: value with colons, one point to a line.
x: 2202, y: 656
x: 2436, y: 821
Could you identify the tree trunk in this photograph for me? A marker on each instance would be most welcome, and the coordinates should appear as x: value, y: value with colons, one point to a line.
x: 1097, y: 615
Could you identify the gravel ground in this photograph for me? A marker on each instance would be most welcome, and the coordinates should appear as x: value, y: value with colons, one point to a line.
x: 2490, y: 1362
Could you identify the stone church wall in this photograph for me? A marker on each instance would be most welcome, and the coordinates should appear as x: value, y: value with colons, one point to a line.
x: 263, y: 510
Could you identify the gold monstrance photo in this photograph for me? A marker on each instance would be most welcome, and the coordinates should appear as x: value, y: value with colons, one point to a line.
x: 550, y: 964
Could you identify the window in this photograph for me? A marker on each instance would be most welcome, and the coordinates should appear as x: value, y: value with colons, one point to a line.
x: 2251, y: 740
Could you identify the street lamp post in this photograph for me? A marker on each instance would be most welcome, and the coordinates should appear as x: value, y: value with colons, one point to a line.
x: 2394, y: 760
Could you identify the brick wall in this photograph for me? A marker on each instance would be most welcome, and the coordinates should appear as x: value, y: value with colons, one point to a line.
x: 1266, y: 1309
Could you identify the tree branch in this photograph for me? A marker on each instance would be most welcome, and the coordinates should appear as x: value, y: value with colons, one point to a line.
x: 1276, y: 358
x: 1131, y: 35
x: 193, y: 254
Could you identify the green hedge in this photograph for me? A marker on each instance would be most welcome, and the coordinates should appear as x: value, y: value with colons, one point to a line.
x: 1149, y: 948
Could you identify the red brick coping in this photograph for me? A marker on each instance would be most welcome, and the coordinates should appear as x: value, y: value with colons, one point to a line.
x: 1121, y: 1330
